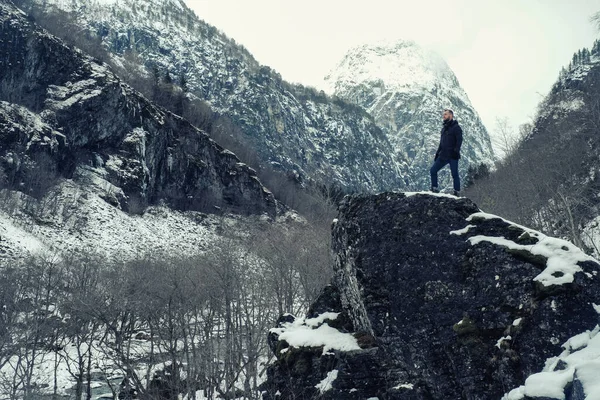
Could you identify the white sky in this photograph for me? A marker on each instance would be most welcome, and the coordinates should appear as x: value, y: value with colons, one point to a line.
x: 506, y: 54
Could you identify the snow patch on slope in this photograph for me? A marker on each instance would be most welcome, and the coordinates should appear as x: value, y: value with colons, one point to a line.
x: 314, y: 332
x: 13, y: 236
x: 78, y: 219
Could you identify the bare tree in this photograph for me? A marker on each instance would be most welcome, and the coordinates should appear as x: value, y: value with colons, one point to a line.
x: 28, y: 336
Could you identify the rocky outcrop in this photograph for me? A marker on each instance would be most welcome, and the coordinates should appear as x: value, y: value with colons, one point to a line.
x: 434, y: 299
x: 93, y: 128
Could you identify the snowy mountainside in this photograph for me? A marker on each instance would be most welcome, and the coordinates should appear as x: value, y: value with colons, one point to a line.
x: 293, y: 128
x: 557, y: 163
x: 80, y: 221
x: 90, y: 122
x: 79, y: 150
x: 405, y: 88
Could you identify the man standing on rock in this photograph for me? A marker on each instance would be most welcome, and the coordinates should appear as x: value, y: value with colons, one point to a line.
x: 448, y: 152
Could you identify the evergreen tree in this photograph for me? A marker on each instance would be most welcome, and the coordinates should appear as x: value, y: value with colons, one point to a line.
x: 183, y: 82
x: 167, y: 78
x: 155, y: 75
x: 588, y: 56
x: 475, y: 173
x: 155, y: 82
x: 596, y: 47
x: 562, y: 74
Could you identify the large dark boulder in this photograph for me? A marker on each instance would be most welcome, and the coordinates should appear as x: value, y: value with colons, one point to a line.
x: 443, y: 302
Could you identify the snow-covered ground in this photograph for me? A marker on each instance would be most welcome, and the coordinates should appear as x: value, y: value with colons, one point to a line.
x: 73, y: 218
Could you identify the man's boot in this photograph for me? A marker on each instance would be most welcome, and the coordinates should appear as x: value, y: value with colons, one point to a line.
x: 434, y: 189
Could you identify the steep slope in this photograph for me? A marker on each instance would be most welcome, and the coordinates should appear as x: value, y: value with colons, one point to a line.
x: 81, y: 154
x: 567, y: 125
x: 292, y: 128
x: 73, y: 117
x: 552, y: 180
x: 405, y: 88
x: 121, y: 211
x: 434, y: 299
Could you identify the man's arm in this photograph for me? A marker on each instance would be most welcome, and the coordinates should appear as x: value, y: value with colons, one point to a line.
x: 459, y: 140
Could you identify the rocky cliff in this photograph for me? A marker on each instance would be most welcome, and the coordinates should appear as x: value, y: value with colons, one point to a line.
x: 291, y: 128
x: 434, y: 299
x: 405, y: 88
x: 64, y: 115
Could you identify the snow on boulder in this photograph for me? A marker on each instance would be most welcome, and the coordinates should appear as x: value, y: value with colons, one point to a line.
x: 443, y: 301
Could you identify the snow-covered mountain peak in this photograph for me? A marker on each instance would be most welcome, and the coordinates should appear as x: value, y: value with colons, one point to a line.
x: 400, y: 65
x: 405, y: 87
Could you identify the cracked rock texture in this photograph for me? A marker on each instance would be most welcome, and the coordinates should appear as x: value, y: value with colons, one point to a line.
x: 432, y: 310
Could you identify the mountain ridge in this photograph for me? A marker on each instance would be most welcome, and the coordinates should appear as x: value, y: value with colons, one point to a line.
x: 292, y: 128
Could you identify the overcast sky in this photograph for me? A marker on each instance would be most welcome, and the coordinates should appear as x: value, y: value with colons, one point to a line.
x: 506, y: 54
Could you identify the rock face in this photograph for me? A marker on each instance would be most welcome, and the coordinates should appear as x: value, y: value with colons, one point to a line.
x: 433, y: 299
x: 67, y: 114
x: 292, y: 128
x: 405, y: 88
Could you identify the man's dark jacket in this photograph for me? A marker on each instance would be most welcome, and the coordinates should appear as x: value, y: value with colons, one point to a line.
x: 450, y: 141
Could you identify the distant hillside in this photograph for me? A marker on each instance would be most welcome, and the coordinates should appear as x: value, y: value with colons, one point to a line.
x: 552, y: 179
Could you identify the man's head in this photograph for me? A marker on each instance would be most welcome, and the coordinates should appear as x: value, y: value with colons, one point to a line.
x: 448, y: 115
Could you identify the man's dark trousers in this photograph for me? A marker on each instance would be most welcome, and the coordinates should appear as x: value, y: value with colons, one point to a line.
x: 439, y: 164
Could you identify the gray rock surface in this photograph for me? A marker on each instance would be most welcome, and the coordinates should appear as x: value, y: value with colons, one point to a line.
x: 67, y: 110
